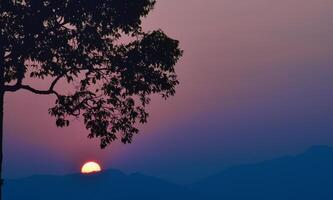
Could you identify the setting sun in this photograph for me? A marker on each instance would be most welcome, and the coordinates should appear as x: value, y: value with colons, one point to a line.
x: 90, y: 167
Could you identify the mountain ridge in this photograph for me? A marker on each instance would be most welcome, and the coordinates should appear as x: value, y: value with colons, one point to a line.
x: 305, y: 176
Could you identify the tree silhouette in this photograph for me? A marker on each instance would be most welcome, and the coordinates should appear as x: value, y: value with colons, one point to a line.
x: 99, y: 48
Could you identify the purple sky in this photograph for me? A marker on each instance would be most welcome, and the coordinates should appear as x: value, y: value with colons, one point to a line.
x: 256, y: 82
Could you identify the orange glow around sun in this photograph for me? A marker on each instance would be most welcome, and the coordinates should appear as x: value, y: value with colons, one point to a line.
x: 90, y: 167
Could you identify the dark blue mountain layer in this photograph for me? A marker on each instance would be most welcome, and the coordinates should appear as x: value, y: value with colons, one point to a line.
x: 308, y: 176
x: 110, y: 184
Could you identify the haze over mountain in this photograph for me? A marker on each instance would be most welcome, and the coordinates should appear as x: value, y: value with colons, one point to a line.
x: 110, y: 184
x: 305, y: 176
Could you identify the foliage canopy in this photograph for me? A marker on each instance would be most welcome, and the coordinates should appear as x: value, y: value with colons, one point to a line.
x: 81, y: 42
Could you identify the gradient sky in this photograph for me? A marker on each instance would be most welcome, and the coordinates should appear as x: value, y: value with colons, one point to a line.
x: 256, y: 83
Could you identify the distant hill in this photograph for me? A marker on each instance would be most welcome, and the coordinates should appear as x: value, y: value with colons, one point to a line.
x: 308, y: 176
x: 303, y: 177
x: 110, y: 184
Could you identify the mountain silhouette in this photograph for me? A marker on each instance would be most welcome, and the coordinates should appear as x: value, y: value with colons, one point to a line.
x: 110, y: 184
x: 305, y: 176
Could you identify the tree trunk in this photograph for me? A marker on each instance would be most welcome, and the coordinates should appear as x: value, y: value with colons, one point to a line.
x: 2, y: 93
x: 1, y: 135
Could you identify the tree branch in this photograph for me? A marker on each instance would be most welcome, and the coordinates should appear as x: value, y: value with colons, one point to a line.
x: 19, y: 85
x: 43, y: 92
